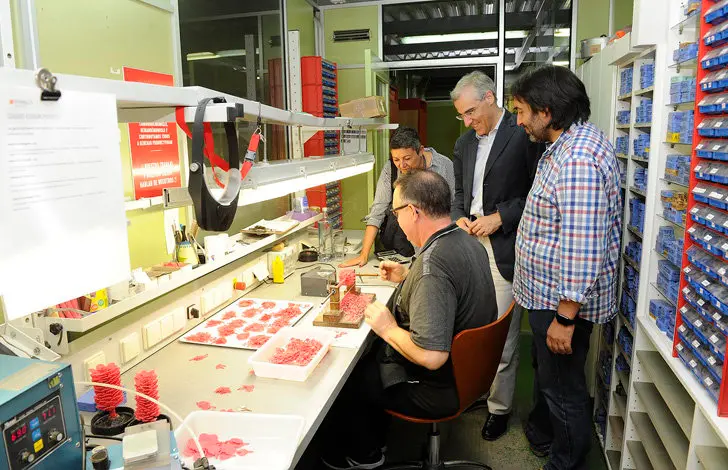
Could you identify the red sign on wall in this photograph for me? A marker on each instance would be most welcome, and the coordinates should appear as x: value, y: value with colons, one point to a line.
x: 154, y: 146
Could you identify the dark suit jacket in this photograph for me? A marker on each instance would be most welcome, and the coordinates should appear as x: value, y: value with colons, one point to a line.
x: 509, y: 175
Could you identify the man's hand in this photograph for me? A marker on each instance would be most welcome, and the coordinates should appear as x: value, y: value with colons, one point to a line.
x: 378, y: 316
x: 360, y: 261
x: 393, y: 272
x: 464, y: 223
x: 558, y: 338
x: 485, y: 225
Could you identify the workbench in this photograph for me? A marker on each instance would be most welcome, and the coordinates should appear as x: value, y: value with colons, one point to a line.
x: 182, y: 383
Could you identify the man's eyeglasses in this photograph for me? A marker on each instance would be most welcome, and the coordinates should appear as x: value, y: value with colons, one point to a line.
x: 395, y: 210
x: 469, y: 113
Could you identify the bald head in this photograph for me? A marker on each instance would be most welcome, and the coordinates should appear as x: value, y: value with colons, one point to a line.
x: 426, y: 190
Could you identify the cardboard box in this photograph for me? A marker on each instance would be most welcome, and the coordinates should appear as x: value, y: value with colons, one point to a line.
x: 369, y: 107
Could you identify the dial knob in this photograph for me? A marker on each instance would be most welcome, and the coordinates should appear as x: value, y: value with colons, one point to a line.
x: 27, y: 457
x: 55, y: 436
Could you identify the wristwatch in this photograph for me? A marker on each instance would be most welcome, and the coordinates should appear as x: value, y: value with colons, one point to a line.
x: 566, y: 321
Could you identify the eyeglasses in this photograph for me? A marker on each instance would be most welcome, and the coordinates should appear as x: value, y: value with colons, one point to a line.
x: 469, y: 113
x: 397, y: 209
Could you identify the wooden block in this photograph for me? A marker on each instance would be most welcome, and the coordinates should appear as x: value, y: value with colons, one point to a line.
x: 328, y: 318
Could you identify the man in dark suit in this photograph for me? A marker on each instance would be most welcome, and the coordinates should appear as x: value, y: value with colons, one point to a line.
x: 494, y: 165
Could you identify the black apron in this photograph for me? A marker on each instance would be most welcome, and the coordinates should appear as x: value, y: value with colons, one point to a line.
x: 391, y: 236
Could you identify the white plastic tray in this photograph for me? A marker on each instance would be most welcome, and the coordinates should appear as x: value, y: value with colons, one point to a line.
x: 263, y: 368
x: 272, y: 438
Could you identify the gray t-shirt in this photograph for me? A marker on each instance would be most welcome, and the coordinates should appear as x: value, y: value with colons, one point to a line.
x: 449, y: 289
x: 383, y: 194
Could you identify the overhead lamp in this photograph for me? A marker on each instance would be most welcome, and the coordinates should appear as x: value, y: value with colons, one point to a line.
x: 561, y: 63
x: 516, y: 34
x: 454, y: 37
x: 562, y: 32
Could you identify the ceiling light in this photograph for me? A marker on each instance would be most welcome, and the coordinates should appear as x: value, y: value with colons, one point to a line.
x: 561, y: 63
x: 427, y: 39
x: 516, y: 34
x: 562, y: 32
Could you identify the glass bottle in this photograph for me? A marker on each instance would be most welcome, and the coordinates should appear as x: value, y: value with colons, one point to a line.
x: 325, y: 238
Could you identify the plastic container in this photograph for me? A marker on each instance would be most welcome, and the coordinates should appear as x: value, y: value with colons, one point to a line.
x: 713, y: 104
x: 272, y: 438
x: 263, y: 368
x: 717, y: 13
x: 717, y: 35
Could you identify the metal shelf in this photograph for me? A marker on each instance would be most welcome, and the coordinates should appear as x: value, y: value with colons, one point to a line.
x: 626, y: 323
x: 616, y: 424
x: 670, y: 221
x: 639, y: 456
x: 643, y: 125
x: 625, y: 97
x: 677, y: 398
x: 622, y: 126
x: 689, y: 23
x: 622, y: 156
x: 665, y: 258
x: 712, y: 458
x: 631, y: 262
x: 644, y: 91
x: 634, y: 231
x: 637, y: 159
x: 651, y: 441
x: 685, y: 64
x: 637, y: 191
x: 91, y: 321
x: 665, y: 424
x: 686, y: 378
x: 620, y: 403
x: 669, y: 181
x: 624, y: 354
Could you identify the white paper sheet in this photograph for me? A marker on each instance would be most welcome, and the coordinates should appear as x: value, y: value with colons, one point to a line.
x: 61, y: 198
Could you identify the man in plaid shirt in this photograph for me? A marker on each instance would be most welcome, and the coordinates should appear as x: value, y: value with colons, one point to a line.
x: 567, y: 253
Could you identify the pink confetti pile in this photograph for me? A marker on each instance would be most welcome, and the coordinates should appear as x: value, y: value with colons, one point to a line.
x: 229, y: 315
x: 353, y: 306
x: 245, y: 303
x: 297, y: 352
x: 220, y: 366
x: 347, y: 277
x: 198, y: 358
x: 220, y: 340
x: 222, y: 390
x: 267, y: 305
x: 146, y: 382
x: 213, y: 323
x: 213, y: 447
x: 258, y: 340
x: 205, y: 405
x: 247, y: 388
x: 201, y: 337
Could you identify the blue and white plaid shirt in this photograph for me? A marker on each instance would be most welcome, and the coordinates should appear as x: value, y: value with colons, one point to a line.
x: 569, y: 237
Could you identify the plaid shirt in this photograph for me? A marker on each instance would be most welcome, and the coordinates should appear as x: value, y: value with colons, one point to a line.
x: 569, y: 237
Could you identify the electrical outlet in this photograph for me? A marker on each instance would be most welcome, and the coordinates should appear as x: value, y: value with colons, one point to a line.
x: 167, y: 325
x: 193, y: 311
x: 93, y: 361
x: 129, y: 347
x: 151, y: 334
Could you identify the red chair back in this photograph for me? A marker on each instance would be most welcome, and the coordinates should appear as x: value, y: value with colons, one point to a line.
x: 475, y: 357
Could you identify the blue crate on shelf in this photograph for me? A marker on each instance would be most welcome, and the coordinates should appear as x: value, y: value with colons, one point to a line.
x: 626, y: 78
x: 644, y: 111
x: 664, y: 314
x: 621, y: 145
x: 641, y: 146
x: 647, y: 75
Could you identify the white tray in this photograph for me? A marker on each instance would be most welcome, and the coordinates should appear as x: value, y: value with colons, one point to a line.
x: 263, y: 368
x: 272, y: 438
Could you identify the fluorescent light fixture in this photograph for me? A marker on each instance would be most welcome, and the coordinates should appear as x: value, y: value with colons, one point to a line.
x: 562, y: 33
x: 561, y: 63
x: 277, y: 179
x: 516, y: 34
x: 218, y: 55
x: 428, y: 39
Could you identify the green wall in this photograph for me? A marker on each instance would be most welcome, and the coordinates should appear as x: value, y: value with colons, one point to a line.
x: 592, y: 19
x: 358, y: 190
x: 623, y: 10
x: 300, y: 17
x: 442, y: 127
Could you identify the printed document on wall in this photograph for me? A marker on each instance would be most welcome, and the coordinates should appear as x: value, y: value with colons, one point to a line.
x: 61, y: 198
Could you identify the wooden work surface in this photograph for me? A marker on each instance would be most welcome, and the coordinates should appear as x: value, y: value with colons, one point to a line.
x: 182, y: 383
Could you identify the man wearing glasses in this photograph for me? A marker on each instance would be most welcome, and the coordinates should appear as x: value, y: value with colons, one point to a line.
x: 447, y: 289
x: 494, y: 164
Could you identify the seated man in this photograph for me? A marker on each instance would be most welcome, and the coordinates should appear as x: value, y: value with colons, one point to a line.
x: 447, y: 289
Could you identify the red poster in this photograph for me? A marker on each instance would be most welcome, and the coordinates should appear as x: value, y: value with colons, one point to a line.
x: 154, y: 146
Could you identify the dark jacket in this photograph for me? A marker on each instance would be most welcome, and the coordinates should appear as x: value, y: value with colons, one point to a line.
x: 509, y: 175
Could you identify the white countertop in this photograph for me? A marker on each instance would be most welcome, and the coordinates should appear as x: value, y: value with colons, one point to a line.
x: 182, y: 383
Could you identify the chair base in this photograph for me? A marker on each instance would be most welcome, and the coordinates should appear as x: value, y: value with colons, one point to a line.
x: 433, y: 461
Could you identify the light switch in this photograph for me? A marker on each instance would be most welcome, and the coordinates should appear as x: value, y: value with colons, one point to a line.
x: 93, y: 361
x: 167, y: 325
x: 151, y: 334
x: 248, y: 277
x: 179, y: 318
x: 129, y: 347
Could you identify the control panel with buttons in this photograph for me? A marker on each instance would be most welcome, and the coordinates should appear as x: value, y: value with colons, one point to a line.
x: 35, y: 432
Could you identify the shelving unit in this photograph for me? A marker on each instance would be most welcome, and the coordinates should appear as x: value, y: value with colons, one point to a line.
x: 658, y: 414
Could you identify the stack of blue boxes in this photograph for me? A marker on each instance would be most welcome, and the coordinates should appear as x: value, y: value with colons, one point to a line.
x: 686, y: 51
x: 640, y: 178
x: 681, y: 122
x: 625, y: 81
x: 623, y: 117
x: 668, y: 279
x: 621, y: 365
x: 682, y: 89
x: 632, y: 280
x: 647, y: 75
x: 637, y: 214
x: 677, y: 169
x: 664, y: 315
x: 633, y: 250
x: 624, y: 338
x: 644, y: 111
x: 642, y: 146
x: 628, y: 308
x: 669, y: 246
x: 674, y: 205
x: 621, y: 145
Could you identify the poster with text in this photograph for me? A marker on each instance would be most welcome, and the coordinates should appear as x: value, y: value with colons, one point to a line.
x: 154, y: 146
